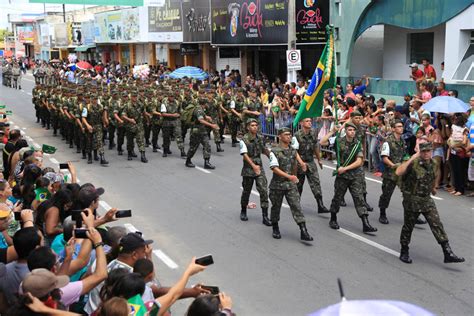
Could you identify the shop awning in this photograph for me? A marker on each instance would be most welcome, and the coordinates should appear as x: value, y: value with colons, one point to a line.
x: 84, y: 48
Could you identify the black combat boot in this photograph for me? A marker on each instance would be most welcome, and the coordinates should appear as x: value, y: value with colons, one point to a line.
x: 383, y: 217
x: 305, y: 236
x: 111, y: 146
x: 189, y: 163
x: 103, y: 161
x: 219, y: 149
x: 234, y: 142
x: 420, y: 221
x: 265, y: 219
x: 155, y: 149
x: 89, y: 157
x: 369, y: 208
x: 78, y: 149
x: 321, y: 208
x: 366, y: 228
x: 208, y: 165
x: 333, y: 221
x: 243, y: 214
x: 134, y: 154
x: 72, y: 146
x: 343, y: 202
x: 143, y: 157
x: 96, y: 157
x: 130, y: 155
x: 165, y: 152
x: 120, y: 151
x: 449, y: 256
x: 84, y: 154
x: 276, y: 231
x: 404, y: 255
x: 183, y: 154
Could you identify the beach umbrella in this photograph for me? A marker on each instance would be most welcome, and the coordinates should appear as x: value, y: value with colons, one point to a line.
x: 372, y: 308
x: 84, y: 65
x: 445, y: 104
x: 189, y: 72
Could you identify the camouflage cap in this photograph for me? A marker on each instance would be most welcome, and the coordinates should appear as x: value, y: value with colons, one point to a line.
x: 426, y: 146
x: 284, y: 130
x: 251, y: 120
x: 355, y: 113
x: 349, y: 124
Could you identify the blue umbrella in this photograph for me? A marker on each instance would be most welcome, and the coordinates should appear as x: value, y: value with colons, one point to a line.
x: 445, y: 104
x: 372, y: 307
x: 190, y: 72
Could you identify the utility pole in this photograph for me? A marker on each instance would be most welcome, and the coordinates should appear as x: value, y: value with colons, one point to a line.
x: 64, y: 12
x: 291, y: 74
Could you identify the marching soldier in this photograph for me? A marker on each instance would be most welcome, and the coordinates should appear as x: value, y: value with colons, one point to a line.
x: 252, y: 107
x: 213, y: 112
x: 236, y: 105
x: 283, y: 162
x: 251, y: 149
x: 305, y: 142
x: 171, y: 112
x: 94, y: 117
x: 156, y: 120
x: 133, y: 113
x: 350, y: 175
x: 121, y: 125
x: 418, y: 183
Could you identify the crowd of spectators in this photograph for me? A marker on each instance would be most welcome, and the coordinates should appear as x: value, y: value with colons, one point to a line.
x: 59, y: 255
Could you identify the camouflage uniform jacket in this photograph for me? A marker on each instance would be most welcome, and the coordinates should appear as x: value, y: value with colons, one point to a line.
x: 254, y: 147
x: 285, y: 160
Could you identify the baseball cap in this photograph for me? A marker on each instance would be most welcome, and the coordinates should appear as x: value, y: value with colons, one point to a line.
x: 284, y: 130
x: 88, y: 193
x: 54, y: 177
x: 413, y: 65
x: 133, y: 241
x: 40, y: 282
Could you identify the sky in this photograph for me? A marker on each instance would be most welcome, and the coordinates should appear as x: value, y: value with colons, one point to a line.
x: 23, y: 6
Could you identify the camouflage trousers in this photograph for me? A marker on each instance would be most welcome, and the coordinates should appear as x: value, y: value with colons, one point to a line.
x: 412, y: 207
x: 147, y: 132
x: 262, y: 188
x: 135, y: 133
x: 121, y: 132
x: 155, y: 131
x: 172, y: 129
x: 111, y: 131
x: 356, y: 188
x: 234, y: 125
x: 388, y: 186
x: 199, y: 137
x: 313, y: 180
x: 94, y: 140
x: 80, y: 138
x: 216, y: 133
x: 293, y: 198
x: 55, y: 121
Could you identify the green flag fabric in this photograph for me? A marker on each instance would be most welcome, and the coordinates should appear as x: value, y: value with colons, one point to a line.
x: 324, y: 77
x: 47, y: 149
x: 137, y: 306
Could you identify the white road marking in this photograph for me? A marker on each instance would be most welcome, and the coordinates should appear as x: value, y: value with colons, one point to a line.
x: 11, y: 122
x: 166, y: 260
x: 130, y: 228
x: 105, y: 205
x: 28, y: 93
x: 161, y: 151
x: 258, y: 194
x: 23, y: 128
x: 369, y: 242
x: 16, y: 127
x: 202, y: 170
x: 53, y: 160
x: 36, y: 145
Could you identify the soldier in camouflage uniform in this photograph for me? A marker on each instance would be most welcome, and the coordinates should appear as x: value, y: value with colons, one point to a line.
x: 94, y: 117
x: 305, y: 142
x: 133, y: 113
x: 170, y: 112
x: 79, y: 131
x: 283, y: 162
x: 188, y: 99
x: 224, y: 99
x: 154, y: 107
x: 252, y: 108
x: 418, y: 183
x: 36, y: 93
x: 251, y: 149
x: 393, y: 151
x: 121, y: 125
x: 112, y: 127
x: 213, y: 112
x: 236, y: 106
x: 199, y: 135
x: 53, y: 105
x: 350, y: 175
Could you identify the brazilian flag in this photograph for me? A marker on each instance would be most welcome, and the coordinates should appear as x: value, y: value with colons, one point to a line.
x: 324, y: 77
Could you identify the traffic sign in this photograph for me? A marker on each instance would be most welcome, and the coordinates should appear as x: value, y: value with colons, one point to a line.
x: 293, y: 59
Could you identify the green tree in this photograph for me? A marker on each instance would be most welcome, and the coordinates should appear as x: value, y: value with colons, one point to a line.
x: 3, y: 33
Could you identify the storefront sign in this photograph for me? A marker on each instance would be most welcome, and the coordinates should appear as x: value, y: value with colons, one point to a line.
x: 251, y: 22
x: 196, y: 21
x: 164, y: 22
x: 44, y: 35
x: 87, y: 29
x: 189, y: 49
x: 312, y: 16
x: 60, y: 35
x: 134, y: 3
x: 26, y: 34
x: 121, y: 26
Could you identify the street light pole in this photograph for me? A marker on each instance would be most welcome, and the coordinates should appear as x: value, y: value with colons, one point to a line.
x: 291, y: 74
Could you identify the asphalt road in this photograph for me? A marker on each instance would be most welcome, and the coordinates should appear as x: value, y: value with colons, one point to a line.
x: 189, y: 212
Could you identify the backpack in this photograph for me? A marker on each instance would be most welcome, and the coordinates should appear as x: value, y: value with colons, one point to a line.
x: 187, y: 114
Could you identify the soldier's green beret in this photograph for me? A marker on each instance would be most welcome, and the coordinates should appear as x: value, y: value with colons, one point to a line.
x: 426, y: 146
x: 251, y: 120
x: 284, y: 130
x: 355, y: 113
x: 349, y: 124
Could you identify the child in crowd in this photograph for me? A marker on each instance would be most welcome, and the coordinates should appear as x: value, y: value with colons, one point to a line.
x: 420, y: 138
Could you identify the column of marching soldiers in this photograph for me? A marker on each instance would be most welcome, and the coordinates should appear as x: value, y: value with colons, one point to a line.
x: 86, y: 115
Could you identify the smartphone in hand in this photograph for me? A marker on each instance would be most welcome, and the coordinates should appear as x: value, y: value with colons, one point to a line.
x: 80, y: 233
x: 17, y: 216
x: 205, y: 261
x: 63, y: 166
x: 213, y: 289
x: 123, y: 213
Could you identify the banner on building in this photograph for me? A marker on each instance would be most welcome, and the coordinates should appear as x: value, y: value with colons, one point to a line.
x: 312, y: 16
x: 74, y: 33
x: 44, y: 39
x: 257, y: 22
x: 61, y: 35
x: 26, y: 34
x: 164, y: 22
x: 121, y: 26
x: 196, y: 21
x: 87, y: 29
x: 133, y: 3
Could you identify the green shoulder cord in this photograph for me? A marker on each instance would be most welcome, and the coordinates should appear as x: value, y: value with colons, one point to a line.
x: 336, y: 122
x: 352, y: 154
